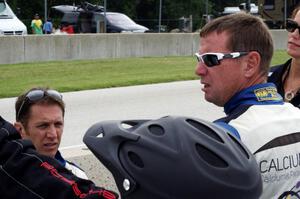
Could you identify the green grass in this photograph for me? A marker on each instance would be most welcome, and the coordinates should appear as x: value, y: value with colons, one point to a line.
x: 92, y: 74
x: 279, y: 57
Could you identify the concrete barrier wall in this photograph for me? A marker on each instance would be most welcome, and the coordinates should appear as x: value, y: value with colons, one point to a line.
x: 279, y: 39
x: 31, y: 48
x: 12, y: 49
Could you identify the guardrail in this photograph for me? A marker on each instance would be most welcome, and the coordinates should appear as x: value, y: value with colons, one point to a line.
x: 32, y: 48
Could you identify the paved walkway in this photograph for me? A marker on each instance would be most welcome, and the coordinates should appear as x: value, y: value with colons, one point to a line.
x: 152, y: 101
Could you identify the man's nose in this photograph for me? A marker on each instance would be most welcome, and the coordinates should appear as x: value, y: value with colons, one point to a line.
x: 52, y: 131
x: 201, y: 69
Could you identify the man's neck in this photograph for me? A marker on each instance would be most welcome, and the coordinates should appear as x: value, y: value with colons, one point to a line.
x: 258, y: 79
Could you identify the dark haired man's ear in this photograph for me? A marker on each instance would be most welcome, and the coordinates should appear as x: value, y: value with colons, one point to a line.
x: 20, y: 128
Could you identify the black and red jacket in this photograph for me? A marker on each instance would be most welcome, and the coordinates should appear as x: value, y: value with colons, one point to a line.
x: 26, y: 174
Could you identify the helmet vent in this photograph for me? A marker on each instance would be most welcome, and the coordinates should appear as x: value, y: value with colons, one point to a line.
x: 242, y: 149
x: 156, y: 130
x: 205, y: 130
x: 127, y: 125
x: 210, y: 157
x: 135, y: 159
x: 100, y: 132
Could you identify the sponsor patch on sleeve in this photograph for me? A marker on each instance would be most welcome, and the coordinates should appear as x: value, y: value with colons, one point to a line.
x: 267, y: 94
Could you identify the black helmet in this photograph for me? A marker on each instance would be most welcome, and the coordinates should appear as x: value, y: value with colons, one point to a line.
x: 174, y: 158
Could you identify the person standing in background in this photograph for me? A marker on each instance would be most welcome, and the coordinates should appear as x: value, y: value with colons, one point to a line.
x: 36, y: 25
x: 48, y: 26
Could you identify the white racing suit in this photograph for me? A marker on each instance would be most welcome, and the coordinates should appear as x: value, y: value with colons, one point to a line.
x: 270, y: 129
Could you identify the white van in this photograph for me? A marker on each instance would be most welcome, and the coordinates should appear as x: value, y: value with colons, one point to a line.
x: 9, y: 23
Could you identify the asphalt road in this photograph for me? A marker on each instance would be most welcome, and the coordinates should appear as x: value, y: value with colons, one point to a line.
x: 84, y: 108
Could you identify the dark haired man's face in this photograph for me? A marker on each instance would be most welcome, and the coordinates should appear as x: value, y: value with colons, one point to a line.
x: 44, y: 128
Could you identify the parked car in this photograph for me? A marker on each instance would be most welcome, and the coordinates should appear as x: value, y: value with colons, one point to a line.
x: 118, y: 22
x: 241, y: 7
x: 89, y: 18
x: 9, y: 22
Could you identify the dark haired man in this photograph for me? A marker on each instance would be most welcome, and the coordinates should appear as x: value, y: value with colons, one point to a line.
x: 40, y: 118
x: 26, y: 174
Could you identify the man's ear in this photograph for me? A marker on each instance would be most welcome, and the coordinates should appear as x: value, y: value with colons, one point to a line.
x: 20, y: 128
x: 253, y: 62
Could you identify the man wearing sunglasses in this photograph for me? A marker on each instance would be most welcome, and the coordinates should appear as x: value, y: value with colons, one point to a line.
x: 233, y: 62
x: 24, y: 173
x: 40, y: 118
x: 287, y: 76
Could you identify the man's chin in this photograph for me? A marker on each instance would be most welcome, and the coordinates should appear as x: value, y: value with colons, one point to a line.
x: 213, y: 101
x: 49, y: 153
x: 208, y: 98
